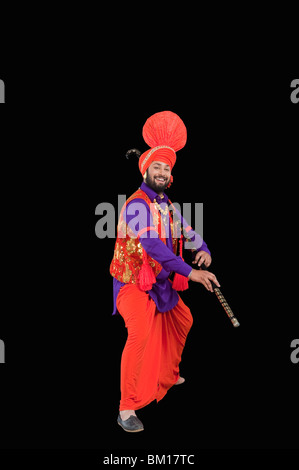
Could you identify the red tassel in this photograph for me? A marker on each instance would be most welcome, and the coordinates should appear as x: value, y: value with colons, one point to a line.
x: 146, y: 277
x: 180, y: 282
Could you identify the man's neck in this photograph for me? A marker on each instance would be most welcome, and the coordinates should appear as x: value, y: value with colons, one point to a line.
x: 161, y: 194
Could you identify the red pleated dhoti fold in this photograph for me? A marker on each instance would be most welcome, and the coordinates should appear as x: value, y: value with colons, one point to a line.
x: 153, y: 350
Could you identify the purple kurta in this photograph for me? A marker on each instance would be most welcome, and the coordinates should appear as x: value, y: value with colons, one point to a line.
x: 162, y: 293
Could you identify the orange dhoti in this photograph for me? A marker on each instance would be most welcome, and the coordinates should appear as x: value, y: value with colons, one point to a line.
x: 153, y: 351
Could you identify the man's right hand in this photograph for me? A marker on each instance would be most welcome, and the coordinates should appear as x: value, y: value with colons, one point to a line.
x: 204, y: 277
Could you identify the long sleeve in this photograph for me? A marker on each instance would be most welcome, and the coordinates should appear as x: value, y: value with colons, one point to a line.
x: 161, y: 253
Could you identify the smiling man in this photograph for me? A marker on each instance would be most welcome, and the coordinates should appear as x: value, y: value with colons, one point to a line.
x: 149, y: 232
x: 158, y: 177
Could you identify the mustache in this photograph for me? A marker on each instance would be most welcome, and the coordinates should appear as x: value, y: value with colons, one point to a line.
x: 161, y: 178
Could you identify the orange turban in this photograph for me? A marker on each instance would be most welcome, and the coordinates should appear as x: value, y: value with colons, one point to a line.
x: 165, y: 133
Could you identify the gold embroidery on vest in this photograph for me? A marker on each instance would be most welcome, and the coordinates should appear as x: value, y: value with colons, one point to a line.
x: 131, y: 246
x: 127, y: 274
x: 121, y: 255
x: 139, y: 249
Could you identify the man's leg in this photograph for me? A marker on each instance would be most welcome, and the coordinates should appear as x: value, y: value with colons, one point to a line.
x: 140, y: 363
x: 176, y: 324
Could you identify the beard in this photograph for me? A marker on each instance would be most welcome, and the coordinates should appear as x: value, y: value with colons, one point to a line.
x: 157, y: 186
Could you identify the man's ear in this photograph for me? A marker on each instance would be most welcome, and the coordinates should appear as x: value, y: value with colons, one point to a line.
x: 170, y: 182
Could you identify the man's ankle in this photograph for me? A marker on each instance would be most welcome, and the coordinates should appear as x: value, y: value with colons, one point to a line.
x: 125, y: 414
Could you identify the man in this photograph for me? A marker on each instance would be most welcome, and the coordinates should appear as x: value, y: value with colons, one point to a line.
x: 149, y: 231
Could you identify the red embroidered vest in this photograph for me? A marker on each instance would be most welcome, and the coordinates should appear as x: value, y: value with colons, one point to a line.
x: 128, y: 252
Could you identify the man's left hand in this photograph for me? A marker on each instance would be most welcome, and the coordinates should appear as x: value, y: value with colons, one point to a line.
x: 202, y: 257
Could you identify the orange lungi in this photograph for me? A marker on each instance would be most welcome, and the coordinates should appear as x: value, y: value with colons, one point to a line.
x: 153, y: 351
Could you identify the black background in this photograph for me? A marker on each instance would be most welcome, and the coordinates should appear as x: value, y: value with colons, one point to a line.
x: 63, y: 156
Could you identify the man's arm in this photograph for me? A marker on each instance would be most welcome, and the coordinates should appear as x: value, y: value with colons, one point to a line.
x: 142, y: 225
x: 202, y: 254
x: 198, y: 245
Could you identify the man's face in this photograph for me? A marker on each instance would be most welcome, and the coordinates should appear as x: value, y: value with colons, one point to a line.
x: 158, y: 176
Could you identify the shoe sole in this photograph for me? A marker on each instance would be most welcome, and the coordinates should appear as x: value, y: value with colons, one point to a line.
x: 128, y: 430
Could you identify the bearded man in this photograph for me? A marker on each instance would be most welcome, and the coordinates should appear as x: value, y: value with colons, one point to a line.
x: 150, y: 230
